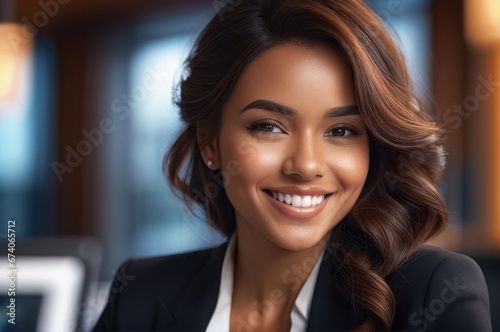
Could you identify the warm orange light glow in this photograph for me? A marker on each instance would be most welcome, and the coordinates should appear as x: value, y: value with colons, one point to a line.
x: 482, y: 19
x: 15, y: 61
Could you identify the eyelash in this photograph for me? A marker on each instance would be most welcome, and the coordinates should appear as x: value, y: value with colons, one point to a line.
x: 346, y: 127
x: 258, y: 127
x: 267, y: 122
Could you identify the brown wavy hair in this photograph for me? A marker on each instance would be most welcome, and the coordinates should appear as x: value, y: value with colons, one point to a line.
x: 399, y: 207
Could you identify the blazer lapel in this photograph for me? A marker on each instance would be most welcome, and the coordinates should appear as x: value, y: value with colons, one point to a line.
x: 330, y: 310
x: 194, y: 310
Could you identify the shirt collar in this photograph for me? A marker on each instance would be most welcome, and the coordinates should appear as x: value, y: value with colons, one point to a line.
x: 302, y: 306
x: 221, y: 317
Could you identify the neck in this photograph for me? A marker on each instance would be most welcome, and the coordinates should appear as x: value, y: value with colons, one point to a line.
x: 267, y: 273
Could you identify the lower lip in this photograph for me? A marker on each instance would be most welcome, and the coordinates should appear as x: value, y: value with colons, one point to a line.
x: 298, y: 212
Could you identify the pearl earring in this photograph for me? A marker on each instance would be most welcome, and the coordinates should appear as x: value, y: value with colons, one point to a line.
x: 209, y: 163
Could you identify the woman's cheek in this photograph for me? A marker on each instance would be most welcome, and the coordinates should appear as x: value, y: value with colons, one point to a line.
x: 255, y: 159
x: 349, y: 164
x: 243, y: 148
x: 248, y: 150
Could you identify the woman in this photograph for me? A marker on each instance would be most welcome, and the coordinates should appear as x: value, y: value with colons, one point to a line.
x: 304, y: 144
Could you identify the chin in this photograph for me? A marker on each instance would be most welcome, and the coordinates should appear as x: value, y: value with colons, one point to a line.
x: 301, y: 241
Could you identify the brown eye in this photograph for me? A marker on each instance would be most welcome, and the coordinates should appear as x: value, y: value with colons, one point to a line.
x: 266, y: 126
x: 338, y: 132
x: 343, y: 131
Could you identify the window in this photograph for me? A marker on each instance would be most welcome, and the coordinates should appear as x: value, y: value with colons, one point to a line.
x: 139, y: 214
x: 25, y: 150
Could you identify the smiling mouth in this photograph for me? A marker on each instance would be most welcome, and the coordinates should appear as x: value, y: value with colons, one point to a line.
x: 304, y: 201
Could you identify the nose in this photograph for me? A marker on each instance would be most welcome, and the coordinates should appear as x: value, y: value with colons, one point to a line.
x: 304, y: 159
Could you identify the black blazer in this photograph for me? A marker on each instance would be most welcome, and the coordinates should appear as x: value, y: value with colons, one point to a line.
x: 435, y: 290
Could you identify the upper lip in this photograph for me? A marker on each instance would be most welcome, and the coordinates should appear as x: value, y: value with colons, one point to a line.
x: 301, y: 191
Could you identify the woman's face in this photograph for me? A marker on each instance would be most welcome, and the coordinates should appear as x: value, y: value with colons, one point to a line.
x: 292, y: 146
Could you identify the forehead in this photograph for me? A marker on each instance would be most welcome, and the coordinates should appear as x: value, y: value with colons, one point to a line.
x: 297, y: 76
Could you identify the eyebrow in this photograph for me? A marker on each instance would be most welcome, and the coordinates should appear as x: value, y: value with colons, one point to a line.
x: 272, y: 106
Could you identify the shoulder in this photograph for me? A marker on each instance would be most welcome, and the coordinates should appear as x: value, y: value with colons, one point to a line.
x: 429, y: 260
x: 440, y: 289
x: 151, y: 291
x: 430, y: 265
x: 166, y: 273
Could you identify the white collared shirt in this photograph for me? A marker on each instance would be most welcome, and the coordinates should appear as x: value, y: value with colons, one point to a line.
x: 221, y: 317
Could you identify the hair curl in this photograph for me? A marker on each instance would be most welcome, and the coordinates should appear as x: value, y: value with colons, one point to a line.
x: 399, y: 208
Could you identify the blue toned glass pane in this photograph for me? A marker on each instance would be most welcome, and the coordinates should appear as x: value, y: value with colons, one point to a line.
x: 162, y: 222
x: 408, y: 20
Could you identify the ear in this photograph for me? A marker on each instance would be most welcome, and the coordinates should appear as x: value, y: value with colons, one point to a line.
x: 209, y: 148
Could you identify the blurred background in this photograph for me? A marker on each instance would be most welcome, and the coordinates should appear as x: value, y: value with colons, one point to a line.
x: 86, y: 115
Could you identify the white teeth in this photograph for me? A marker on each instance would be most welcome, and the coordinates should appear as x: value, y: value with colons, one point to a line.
x: 298, y: 201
